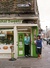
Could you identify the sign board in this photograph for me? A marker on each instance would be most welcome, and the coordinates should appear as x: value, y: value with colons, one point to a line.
x: 10, y: 21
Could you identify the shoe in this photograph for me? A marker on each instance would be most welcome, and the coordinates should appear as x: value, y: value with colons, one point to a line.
x: 25, y: 55
x: 29, y: 55
x: 39, y: 57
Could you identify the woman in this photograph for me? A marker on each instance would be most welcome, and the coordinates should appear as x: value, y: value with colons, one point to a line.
x: 27, y: 44
x: 39, y: 46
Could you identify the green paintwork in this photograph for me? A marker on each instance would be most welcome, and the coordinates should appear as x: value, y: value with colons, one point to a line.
x: 10, y: 20
x: 20, y: 44
x: 21, y: 47
x: 33, y: 45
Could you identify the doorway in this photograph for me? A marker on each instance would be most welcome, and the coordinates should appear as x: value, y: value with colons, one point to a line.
x: 21, y: 45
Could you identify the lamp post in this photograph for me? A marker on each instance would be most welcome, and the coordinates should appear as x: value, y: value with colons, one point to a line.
x: 46, y: 31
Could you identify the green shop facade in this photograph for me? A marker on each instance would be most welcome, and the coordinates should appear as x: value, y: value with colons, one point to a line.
x: 10, y: 32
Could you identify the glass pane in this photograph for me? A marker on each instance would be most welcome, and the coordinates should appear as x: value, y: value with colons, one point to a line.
x: 6, y: 37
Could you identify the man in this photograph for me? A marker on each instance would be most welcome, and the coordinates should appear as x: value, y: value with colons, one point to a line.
x: 39, y: 46
x: 27, y: 44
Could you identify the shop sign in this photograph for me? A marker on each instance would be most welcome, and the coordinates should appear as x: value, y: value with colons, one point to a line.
x: 10, y: 21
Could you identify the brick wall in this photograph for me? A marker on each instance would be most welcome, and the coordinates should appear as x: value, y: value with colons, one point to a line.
x: 11, y: 5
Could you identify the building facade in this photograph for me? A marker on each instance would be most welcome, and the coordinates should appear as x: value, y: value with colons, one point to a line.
x: 18, y: 17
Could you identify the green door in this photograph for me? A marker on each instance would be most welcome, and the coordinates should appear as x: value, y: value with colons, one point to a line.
x: 34, y: 35
x: 21, y: 47
x: 20, y: 44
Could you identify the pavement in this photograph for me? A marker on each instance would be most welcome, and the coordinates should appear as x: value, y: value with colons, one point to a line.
x: 44, y: 62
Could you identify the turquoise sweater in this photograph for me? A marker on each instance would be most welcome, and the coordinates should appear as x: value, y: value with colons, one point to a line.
x: 26, y: 40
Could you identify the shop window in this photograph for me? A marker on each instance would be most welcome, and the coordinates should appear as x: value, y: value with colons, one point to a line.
x: 6, y: 37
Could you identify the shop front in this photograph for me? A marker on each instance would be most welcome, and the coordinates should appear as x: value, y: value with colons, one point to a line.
x: 32, y: 31
x: 13, y: 34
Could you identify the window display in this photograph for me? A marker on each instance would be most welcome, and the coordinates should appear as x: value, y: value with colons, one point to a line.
x: 6, y: 37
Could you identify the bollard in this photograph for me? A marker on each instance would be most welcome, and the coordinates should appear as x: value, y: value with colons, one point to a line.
x: 12, y: 53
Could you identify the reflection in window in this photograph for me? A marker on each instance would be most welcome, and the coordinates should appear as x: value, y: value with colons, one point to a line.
x: 6, y: 37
